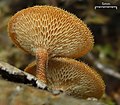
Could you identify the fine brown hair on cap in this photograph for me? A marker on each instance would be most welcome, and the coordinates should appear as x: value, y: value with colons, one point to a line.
x: 47, y: 31
x: 72, y: 77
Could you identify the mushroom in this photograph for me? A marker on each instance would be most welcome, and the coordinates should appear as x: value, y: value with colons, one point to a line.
x: 72, y: 77
x: 47, y: 32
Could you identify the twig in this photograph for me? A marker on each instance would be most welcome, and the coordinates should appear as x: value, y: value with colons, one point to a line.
x: 103, y: 68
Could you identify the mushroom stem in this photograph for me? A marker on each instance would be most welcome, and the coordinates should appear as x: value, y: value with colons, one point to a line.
x: 42, y: 61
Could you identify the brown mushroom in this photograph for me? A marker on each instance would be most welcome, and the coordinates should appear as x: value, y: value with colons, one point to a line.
x: 46, y: 32
x: 72, y: 77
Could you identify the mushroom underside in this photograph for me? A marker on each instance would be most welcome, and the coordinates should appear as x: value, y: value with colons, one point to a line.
x: 72, y: 77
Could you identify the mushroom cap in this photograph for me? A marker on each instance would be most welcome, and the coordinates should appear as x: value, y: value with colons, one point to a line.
x: 75, y: 78
x: 59, y: 32
x: 72, y: 77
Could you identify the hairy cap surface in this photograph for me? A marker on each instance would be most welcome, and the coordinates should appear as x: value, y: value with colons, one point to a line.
x: 72, y: 77
x: 59, y: 32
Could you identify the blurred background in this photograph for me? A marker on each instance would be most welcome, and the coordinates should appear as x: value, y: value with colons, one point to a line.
x: 104, y: 24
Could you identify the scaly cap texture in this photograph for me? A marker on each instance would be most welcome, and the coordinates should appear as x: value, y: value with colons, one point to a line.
x: 72, y: 77
x: 53, y: 29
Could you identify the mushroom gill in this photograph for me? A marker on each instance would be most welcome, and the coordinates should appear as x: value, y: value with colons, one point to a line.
x: 72, y: 77
x: 46, y: 32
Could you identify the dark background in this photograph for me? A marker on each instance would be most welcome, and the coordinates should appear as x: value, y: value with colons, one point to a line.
x: 104, y: 24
